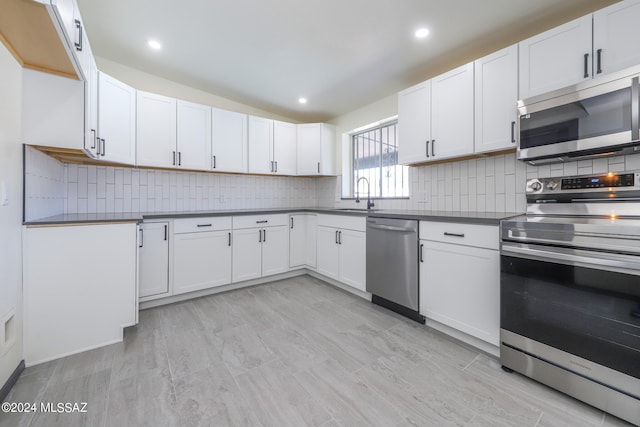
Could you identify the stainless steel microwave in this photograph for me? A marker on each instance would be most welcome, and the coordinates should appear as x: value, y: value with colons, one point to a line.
x: 592, y: 119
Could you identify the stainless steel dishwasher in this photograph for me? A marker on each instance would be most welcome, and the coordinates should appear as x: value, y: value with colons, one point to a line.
x: 392, y: 265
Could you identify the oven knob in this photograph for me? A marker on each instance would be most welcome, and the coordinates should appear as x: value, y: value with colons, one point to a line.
x: 536, y: 186
x: 552, y: 185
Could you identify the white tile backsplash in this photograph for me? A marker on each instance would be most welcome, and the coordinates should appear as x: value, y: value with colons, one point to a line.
x: 494, y: 184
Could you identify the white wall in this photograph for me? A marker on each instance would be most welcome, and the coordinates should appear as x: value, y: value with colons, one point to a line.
x: 150, y: 83
x: 45, y: 185
x: 11, y: 214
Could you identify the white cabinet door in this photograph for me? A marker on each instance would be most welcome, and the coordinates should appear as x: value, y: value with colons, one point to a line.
x: 260, y: 145
x: 284, y: 148
x: 156, y: 130
x: 116, y: 120
x: 352, y: 258
x: 556, y: 58
x: 496, y: 95
x: 275, y: 250
x: 193, y: 136
x: 309, y: 148
x: 247, y: 254
x: 452, y: 113
x: 229, y: 146
x: 154, y: 259
x: 201, y: 260
x: 328, y: 261
x: 297, y: 240
x: 468, y: 298
x: 414, y: 124
x: 615, y: 33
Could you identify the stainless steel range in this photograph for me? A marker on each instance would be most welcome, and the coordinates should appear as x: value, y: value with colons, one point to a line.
x: 570, y: 289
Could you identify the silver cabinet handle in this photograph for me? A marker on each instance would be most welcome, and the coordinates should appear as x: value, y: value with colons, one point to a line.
x: 291, y: 223
x: 276, y: 162
x: 165, y: 232
x: 433, y: 148
x: 336, y: 237
x: 318, y: 167
x: 264, y: 235
x: 272, y: 170
x: 264, y: 221
x: 104, y: 147
x: 229, y: 238
x: 421, y: 251
x: 259, y: 236
x: 179, y: 158
x: 93, y: 131
x: 141, y: 238
x: 427, y: 147
x: 446, y: 233
x: 174, y: 158
x: 339, y: 237
x: 204, y: 225
x: 214, y: 162
x: 513, y: 132
x: 78, y: 44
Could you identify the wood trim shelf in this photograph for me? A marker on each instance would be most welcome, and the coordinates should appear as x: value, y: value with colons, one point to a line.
x: 27, y: 30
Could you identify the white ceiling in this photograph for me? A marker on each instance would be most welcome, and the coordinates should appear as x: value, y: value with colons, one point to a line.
x: 340, y: 54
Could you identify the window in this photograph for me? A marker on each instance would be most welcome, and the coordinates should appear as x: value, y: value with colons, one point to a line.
x: 375, y: 157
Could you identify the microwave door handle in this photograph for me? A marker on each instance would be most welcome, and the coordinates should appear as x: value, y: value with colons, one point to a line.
x: 635, y: 108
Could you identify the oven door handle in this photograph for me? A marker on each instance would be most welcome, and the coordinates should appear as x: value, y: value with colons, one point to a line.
x: 596, y: 260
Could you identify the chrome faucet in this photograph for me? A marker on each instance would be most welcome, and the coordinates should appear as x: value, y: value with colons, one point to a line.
x: 369, y: 201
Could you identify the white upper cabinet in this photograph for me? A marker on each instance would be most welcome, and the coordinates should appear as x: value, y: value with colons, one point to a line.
x: 284, y: 148
x: 556, y: 58
x: 260, y: 145
x: 229, y: 148
x: 53, y: 110
x: 615, y: 33
x: 496, y: 95
x: 452, y: 113
x: 316, y: 149
x: 414, y: 123
x: 116, y: 121
x: 193, y: 136
x: 156, y: 130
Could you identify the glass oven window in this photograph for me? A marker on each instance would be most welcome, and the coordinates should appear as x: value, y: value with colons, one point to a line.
x: 605, y: 114
x: 591, y: 313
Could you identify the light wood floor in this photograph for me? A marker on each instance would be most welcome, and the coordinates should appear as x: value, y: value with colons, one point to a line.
x: 296, y: 352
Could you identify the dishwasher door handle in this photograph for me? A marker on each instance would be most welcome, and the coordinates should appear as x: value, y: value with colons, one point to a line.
x: 391, y: 228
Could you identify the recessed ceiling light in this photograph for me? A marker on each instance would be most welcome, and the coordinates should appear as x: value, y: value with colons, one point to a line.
x: 302, y: 100
x: 422, y: 33
x: 154, y: 44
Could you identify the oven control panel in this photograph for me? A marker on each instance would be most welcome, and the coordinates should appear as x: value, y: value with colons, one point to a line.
x: 608, y: 182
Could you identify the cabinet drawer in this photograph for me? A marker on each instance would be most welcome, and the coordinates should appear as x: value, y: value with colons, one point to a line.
x: 356, y: 223
x: 255, y: 221
x: 481, y: 236
x: 197, y: 225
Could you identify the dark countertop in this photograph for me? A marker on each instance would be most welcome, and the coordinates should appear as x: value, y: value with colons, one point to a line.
x: 488, y: 218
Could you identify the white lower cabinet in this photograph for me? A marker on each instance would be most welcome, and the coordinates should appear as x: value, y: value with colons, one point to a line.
x: 302, y: 240
x: 153, y: 249
x: 341, y: 249
x: 201, y: 254
x: 260, y: 246
x: 460, y: 278
x: 79, y: 288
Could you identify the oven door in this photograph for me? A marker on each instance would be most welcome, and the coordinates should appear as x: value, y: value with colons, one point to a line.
x: 582, y: 306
